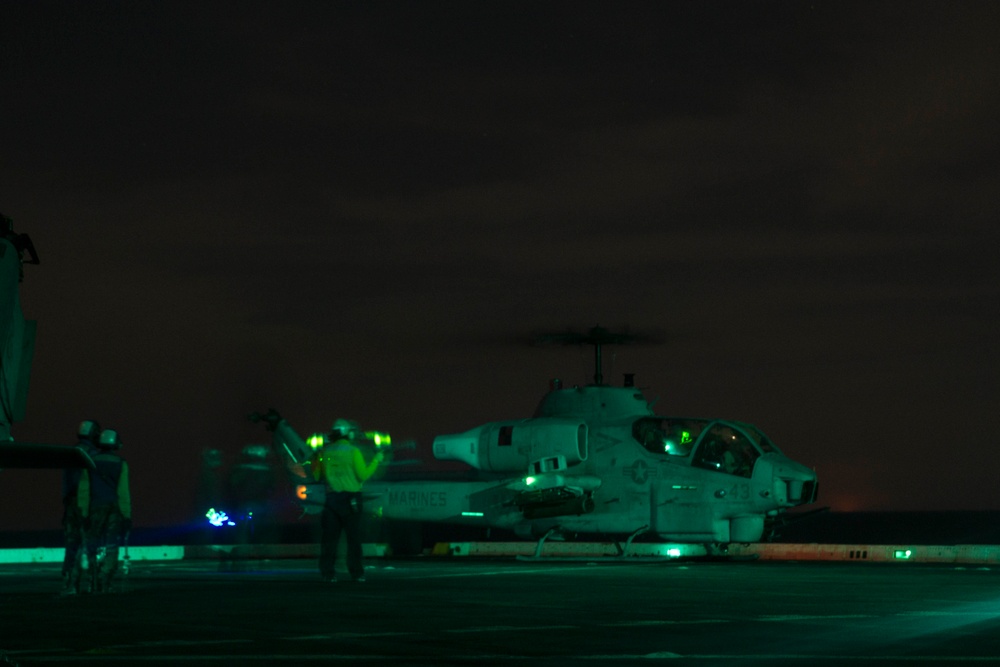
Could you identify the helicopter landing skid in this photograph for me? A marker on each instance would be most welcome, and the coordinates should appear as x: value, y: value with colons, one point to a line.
x: 621, y: 555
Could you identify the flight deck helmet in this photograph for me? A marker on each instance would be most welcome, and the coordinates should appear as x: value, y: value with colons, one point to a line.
x: 88, y: 430
x: 255, y: 452
x: 109, y: 440
x: 344, y: 428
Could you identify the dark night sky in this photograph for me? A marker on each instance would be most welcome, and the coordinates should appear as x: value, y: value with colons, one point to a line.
x: 357, y: 209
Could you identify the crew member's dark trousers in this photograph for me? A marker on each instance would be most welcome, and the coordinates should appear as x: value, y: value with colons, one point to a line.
x: 72, y: 524
x: 341, y: 513
x: 104, y: 530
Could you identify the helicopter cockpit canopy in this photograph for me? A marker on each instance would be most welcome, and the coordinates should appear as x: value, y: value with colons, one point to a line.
x: 724, y: 446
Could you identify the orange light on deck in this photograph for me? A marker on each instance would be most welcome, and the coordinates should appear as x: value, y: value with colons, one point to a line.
x: 300, y: 491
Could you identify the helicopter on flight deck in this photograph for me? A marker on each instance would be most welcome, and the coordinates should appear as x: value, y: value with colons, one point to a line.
x: 594, y: 459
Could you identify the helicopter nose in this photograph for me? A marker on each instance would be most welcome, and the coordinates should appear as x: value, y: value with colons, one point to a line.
x: 794, y: 483
x: 801, y: 492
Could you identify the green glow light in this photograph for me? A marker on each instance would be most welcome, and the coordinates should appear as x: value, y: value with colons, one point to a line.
x: 685, y: 437
x: 674, y: 552
x: 380, y: 439
x: 529, y: 480
x: 902, y: 554
x: 315, y: 441
x: 472, y: 514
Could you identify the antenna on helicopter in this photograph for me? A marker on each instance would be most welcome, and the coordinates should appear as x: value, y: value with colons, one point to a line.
x: 597, y: 336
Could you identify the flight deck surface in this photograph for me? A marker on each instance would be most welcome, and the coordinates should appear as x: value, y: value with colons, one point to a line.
x: 502, y: 611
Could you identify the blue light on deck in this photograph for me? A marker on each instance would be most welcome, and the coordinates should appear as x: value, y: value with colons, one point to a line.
x: 219, y: 519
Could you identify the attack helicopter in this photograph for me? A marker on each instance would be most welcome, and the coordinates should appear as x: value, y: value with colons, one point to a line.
x: 593, y: 459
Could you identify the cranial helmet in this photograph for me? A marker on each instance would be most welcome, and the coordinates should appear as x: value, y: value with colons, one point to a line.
x: 255, y: 451
x: 109, y: 440
x: 88, y: 429
x: 344, y: 428
x: 211, y: 457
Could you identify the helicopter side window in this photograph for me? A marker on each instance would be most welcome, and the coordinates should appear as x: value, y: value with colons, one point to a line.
x: 727, y: 450
x: 667, y: 436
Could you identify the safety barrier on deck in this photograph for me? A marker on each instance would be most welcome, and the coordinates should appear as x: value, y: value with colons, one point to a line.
x: 557, y: 549
x: 193, y: 552
x: 972, y: 554
x: 41, y: 555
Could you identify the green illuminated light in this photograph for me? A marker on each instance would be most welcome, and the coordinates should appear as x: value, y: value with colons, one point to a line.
x: 674, y: 552
x: 315, y: 441
x: 902, y: 554
x: 472, y: 514
x: 682, y: 487
x: 685, y: 437
x: 529, y: 480
x: 380, y: 439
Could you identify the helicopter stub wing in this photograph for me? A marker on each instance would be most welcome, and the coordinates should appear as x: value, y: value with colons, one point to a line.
x: 32, y: 455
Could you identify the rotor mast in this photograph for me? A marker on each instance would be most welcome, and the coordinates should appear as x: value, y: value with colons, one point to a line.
x: 597, y: 336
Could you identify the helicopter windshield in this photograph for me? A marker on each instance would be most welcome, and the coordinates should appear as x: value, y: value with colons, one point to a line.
x: 759, y: 438
x: 726, y: 448
x: 668, y: 435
